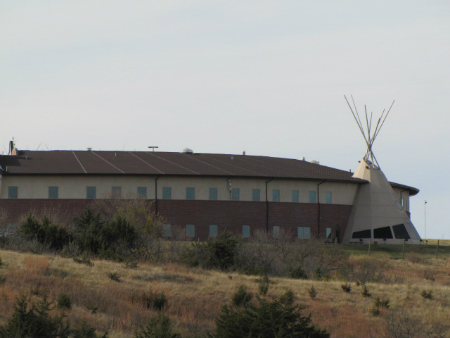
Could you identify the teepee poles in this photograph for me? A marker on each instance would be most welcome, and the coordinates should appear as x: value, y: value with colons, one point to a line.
x: 368, y: 134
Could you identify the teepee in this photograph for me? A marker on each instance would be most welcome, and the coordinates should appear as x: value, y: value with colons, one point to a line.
x: 377, y: 214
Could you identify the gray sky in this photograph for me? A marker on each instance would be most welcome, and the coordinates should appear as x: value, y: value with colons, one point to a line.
x: 267, y: 77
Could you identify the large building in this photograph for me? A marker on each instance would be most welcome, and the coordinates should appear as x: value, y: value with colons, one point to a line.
x: 202, y: 193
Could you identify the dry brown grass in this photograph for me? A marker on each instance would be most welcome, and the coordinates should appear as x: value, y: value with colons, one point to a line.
x: 195, y: 296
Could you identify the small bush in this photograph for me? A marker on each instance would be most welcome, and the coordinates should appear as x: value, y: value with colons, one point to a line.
x: 365, y: 292
x: 287, y: 298
x: 427, y: 294
x: 383, y: 303
x: 219, y: 253
x: 157, y: 301
x: 114, y: 276
x: 83, y: 260
x: 312, y: 291
x: 241, y: 297
x: 298, y: 273
x: 346, y: 287
x: 2, y: 279
x: 378, y: 305
x: 375, y: 311
x: 160, y: 301
x: 131, y: 265
x: 264, y: 285
x: 64, y: 302
x: 158, y: 327
x: 45, y: 232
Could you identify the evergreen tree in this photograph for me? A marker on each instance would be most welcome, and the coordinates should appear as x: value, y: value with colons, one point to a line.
x: 266, y: 319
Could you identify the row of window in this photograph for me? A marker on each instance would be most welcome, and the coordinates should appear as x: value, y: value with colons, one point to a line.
x: 91, y: 193
x: 256, y: 195
x: 302, y: 232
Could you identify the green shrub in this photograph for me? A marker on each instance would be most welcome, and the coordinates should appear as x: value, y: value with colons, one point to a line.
x: 2, y: 279
x: 378, y: 305
x: 160, y: 301
x: 257, y: 320
x: 384, y: 303
x: 346, y: 287
x: 312, y: 292
x: 85, y: 331
x: 298, y: 273
x: 427, y: 294
x: 83, y: 260
x: 35, y: 322
x: 158, y: 327
x: 47, y: 233
x: 264, y: 285
x: 111, y: 240
x: 157, y: 301
x: 64, y: 301
x: 114, y: 276
x: 241, y: 297
x: 287, y: 298
x: 219, y: 253
x: 365, y: 292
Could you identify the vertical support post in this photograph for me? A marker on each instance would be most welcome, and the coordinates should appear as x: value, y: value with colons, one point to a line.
x: 403, y: 252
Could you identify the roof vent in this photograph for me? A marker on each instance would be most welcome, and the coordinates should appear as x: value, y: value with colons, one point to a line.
x: 315, y: 162
x: 188, y: 151
x: 89, y: 149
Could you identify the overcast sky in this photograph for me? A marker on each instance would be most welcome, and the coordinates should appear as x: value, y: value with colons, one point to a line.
x: 267, y: 77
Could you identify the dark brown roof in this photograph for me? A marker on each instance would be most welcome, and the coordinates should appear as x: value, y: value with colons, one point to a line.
x: 166, y: 163
x: 65, y: 162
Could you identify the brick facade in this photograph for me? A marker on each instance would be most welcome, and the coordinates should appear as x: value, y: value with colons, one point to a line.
x: 230, y: 215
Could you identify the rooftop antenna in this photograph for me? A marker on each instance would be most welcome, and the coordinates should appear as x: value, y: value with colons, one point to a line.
x: 367, y: 132
x: 153, y: 148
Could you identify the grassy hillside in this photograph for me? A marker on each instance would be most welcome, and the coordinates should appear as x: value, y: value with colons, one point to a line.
x: 110, y: 296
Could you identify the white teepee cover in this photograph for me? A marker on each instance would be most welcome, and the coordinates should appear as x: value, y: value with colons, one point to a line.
x: 376, y: 206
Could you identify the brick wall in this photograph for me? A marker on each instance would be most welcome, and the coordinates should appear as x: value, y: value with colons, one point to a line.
x: 230, y: 215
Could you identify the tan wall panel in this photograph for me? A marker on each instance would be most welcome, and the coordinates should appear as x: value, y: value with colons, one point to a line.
x: 74, y: 187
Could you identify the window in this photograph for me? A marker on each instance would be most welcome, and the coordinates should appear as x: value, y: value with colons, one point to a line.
x: 190, y: 193
x: 328, y: 197
x: 295, y: 196
x: 190, y: 230
x: 276, y: 195
x: 312, y: 197
x: 167, y: 230
x: 213, y: 194
x: 256, y: 195
x: 246, y: 231
x: 116, y: 192
x: 276, y: 231
x: 235, y: 194
x: 91, y: 192
x: 304, y: 232
x: 167, y: 193
x: 213, y: 230
x: 13, y: 192
x: 142, y: 192
x: 53, y: 192
x: 328, y: 234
